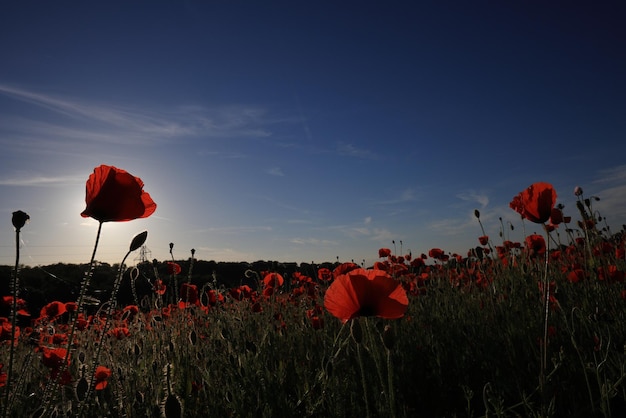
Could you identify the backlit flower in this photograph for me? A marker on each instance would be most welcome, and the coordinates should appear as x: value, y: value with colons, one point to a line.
x: 113, y: 194
x: 363, y: 292
x: 535, y: 203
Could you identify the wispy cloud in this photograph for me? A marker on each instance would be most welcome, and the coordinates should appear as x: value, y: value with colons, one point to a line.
x: 612, y: 194
x: 275, y: 171
x: 472, y: 196
x: 236, y: 229
x: 115, y: 123
x: 41, y: 181
x: 350, y: 150
x: 612, y: 175
x: 313, y: 242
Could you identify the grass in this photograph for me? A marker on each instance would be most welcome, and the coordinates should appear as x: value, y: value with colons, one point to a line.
x: 470, y: 344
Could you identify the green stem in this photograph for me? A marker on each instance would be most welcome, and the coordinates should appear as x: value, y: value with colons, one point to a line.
x: 363, y: 382
x: 391, y: 397
x: 546, y: 312
x: 52, y: 386
x: 103, y: 332
x: 15, y: 294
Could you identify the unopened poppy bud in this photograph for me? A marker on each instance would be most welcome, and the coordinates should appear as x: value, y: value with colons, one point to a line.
x: 171, y: 246
x: 139, y: 240
x: 389, y: 338
x: 578, y: 191
x: 355, y: 331
x: 193, y: 251
x: 19, y: 219
x: 476, y: 213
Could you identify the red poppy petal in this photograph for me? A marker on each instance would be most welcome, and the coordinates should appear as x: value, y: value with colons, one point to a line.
x: 341, y: 300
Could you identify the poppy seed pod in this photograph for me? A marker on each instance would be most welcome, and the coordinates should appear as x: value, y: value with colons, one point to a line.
x: 19, y: 219
x: 477, y: 213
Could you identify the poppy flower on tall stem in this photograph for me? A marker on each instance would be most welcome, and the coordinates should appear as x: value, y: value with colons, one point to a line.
x: 111, y: 195
x: 535, y: 203
x: 116, y: 195
x: 362, y: 292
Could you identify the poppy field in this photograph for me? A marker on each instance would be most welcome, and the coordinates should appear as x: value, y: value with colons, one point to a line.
x: 532, y: 329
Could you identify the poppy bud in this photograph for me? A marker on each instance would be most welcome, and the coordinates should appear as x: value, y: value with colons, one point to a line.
x: 389, y: 338
x: 139, y: 240
x: 19, y: 219
x: 578, y: 191
x: 193, y: 251
x: 476, y: 213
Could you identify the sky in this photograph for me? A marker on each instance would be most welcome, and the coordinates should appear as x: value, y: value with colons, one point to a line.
x: 305, y: 131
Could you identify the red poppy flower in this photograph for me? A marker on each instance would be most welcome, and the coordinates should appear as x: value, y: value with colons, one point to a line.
x: 536, y: 245
x: 53, y: 358
x: 483, y: 240
x: 535, y: 203
x: 115, y: 195
x: 119, y: 333
x: 344, y: 268
x: 159, y: 287
x: 21, y: 304
x: 556, y: 216
x: 324, y: 274
x: 173, y: 268
x: 52, y: 310
x: 363, y: 292
x: 273, y: 280
x: 436, y: 253
x: 576, y: 275
x: 189, y: 293
x: 3, y: 376
x: 384, y: 252
x: 5, y: 330
x: 71, y: 306
x: 101, y: 375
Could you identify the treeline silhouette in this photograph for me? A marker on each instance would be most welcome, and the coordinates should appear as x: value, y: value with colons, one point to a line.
x: 40, y: 285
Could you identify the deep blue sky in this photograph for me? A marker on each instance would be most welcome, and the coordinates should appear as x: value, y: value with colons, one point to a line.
x: 306, y: 130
